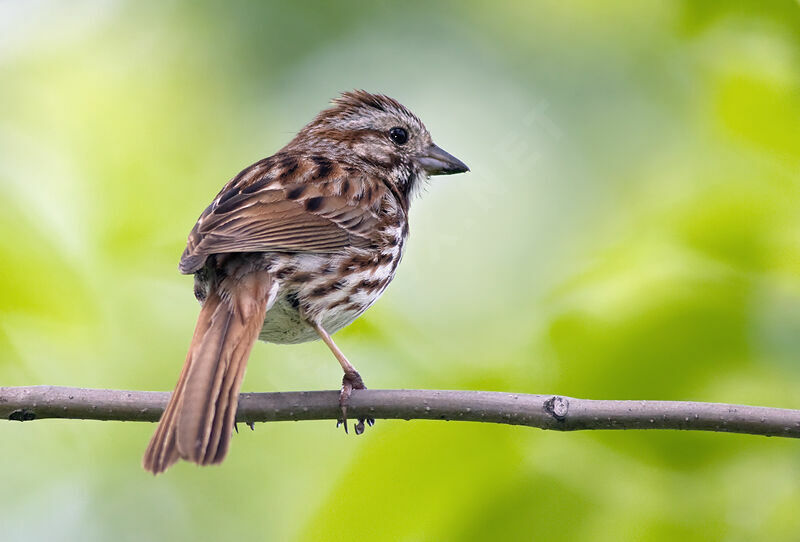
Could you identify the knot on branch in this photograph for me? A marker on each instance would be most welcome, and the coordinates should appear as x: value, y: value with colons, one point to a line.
x: 557, y: 407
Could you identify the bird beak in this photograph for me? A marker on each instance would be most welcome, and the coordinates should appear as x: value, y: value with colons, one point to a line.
x: 437, y: 161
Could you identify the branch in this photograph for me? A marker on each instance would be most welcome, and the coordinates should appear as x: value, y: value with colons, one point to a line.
x: 543, y: 411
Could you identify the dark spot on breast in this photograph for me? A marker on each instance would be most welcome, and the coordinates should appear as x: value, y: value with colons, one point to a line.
x: 284, y: 272
x: 324, y: 166
x: 369, y: 285
x: 301, y: 277
x: 296, y: 192
x: 291, y: 298
x: 358, y: 262
x: 354, y: 307
x: 338, y: 303
x: 258, y: 185
x: 325, y: 289
x: 313, y: 204
x: 320, y: 291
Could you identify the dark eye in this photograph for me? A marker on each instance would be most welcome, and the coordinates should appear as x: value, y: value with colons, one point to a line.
x: 398, y: 135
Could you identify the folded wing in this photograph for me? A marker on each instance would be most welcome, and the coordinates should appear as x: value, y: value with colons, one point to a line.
x: 258, y: 216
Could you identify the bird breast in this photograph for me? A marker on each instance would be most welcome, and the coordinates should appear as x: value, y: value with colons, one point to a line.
x: 329, y: 289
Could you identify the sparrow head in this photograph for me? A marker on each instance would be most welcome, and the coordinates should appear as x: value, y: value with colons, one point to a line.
x: 384, y: 135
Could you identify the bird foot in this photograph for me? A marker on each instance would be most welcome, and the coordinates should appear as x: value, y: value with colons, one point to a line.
x: 352, y: 381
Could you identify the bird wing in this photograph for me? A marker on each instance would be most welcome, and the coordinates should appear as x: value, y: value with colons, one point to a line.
x: 278, y: 207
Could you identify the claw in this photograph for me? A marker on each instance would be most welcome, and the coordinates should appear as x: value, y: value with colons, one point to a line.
x: 349, y: 383
x: 342, y: 420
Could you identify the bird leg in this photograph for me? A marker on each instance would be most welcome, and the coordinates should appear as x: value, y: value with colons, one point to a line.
x: 350, y: 381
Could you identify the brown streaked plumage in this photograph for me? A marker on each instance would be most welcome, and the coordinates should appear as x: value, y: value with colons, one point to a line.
x: 292, y: 249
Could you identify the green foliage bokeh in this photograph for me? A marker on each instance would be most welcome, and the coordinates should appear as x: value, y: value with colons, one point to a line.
x: 630, y: 229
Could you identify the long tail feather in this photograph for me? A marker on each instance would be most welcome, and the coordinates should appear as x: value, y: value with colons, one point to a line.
x: 198, y: 421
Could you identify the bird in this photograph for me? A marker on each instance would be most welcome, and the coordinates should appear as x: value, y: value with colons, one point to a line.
x: 292, y: 249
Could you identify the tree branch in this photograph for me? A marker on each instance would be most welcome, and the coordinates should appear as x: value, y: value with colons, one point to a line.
x: 543, y: 411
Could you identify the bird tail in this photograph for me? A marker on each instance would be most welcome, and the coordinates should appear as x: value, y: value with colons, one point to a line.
x: 198, y: 421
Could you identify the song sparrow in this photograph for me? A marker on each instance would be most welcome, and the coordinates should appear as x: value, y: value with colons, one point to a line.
x: 294, y: 248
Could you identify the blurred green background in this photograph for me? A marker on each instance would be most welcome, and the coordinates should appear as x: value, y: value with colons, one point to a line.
x: 630, y: 229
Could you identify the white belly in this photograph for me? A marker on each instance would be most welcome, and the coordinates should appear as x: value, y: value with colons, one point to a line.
x: 284, y: 325
x: 286, y: 319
